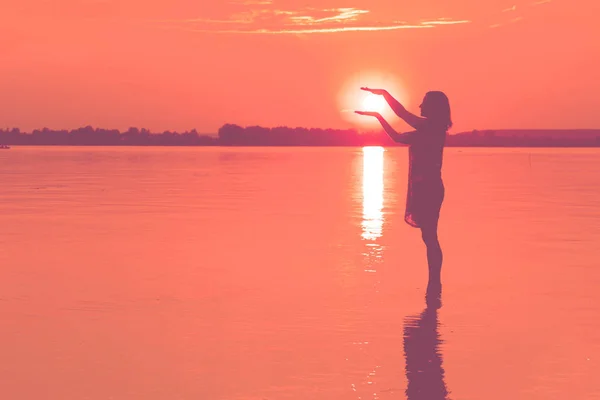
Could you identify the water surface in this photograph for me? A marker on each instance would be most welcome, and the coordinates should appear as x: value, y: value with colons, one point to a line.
x: 289, y: 273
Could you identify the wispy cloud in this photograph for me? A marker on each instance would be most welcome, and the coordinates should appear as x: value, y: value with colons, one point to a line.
x: 314, y: 30
x: 339, y: 15
x: 260, y: 17
x: 267, y: 17
x: 445, y: 21
x: 517, y: 12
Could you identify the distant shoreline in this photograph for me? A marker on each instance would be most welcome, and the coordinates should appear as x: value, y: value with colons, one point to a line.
x: 230, y: 135
x: 311, y: 145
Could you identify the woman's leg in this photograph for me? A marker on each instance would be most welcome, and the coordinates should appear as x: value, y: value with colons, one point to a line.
x: 434, y: 251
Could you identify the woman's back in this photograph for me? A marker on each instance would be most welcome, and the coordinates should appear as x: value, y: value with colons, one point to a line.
x: 426, y: 154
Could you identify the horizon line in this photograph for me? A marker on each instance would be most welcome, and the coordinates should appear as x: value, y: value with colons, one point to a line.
x: 9, y: 129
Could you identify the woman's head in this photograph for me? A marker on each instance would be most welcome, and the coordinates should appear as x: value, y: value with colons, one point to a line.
x: 436, y: 107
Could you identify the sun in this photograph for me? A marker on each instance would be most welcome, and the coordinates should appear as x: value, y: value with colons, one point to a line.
x: 372, y: 102
x: 351, y: 98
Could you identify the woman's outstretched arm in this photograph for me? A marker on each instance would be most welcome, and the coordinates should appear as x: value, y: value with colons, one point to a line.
x: 405, y: 138
x: 410, y: 118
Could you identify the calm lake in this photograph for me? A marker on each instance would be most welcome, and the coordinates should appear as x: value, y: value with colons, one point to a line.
x: 289, y: 273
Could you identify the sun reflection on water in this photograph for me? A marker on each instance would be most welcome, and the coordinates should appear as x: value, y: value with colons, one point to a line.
x: 372, y: 192
x: 367, y: 385
x: 372, y: 222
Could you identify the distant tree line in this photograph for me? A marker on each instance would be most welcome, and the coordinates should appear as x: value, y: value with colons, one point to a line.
x: 89, y: 136
x: 235, y: 135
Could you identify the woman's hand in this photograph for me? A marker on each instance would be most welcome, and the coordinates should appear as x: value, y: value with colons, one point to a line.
x: 378, y: 92
x: 369, y: 113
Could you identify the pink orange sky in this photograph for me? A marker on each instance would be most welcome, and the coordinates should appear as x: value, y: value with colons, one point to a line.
x: 183, y: 64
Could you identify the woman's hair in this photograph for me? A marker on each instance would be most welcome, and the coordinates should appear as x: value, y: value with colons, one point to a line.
x: 439, y: 108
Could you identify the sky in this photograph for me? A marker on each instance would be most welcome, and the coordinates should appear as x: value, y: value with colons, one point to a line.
x: 184, y: 64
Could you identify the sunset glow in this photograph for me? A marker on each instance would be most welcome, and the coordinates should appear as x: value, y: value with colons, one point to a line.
x: 299, y: 199
x: 351, y: 98
x: 167, y: 65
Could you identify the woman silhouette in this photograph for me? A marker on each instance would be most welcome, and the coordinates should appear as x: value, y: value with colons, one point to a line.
x: 425, y: 186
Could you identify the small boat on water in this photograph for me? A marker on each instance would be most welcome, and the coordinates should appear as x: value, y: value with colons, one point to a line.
x: 4, y: 146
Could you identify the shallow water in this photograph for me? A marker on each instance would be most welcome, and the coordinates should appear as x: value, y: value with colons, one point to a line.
x: 289, y: 273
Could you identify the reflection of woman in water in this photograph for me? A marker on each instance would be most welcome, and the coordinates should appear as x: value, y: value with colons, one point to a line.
x: 425, y: 187
x: 424, y: 370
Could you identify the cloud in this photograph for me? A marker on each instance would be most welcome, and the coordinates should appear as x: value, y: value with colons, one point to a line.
x: 339, y: 15
x: 513, y: 17
x: 267, y: 17
x: 315, y: 30
x: 260, y: 17
x: 445, y: 21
